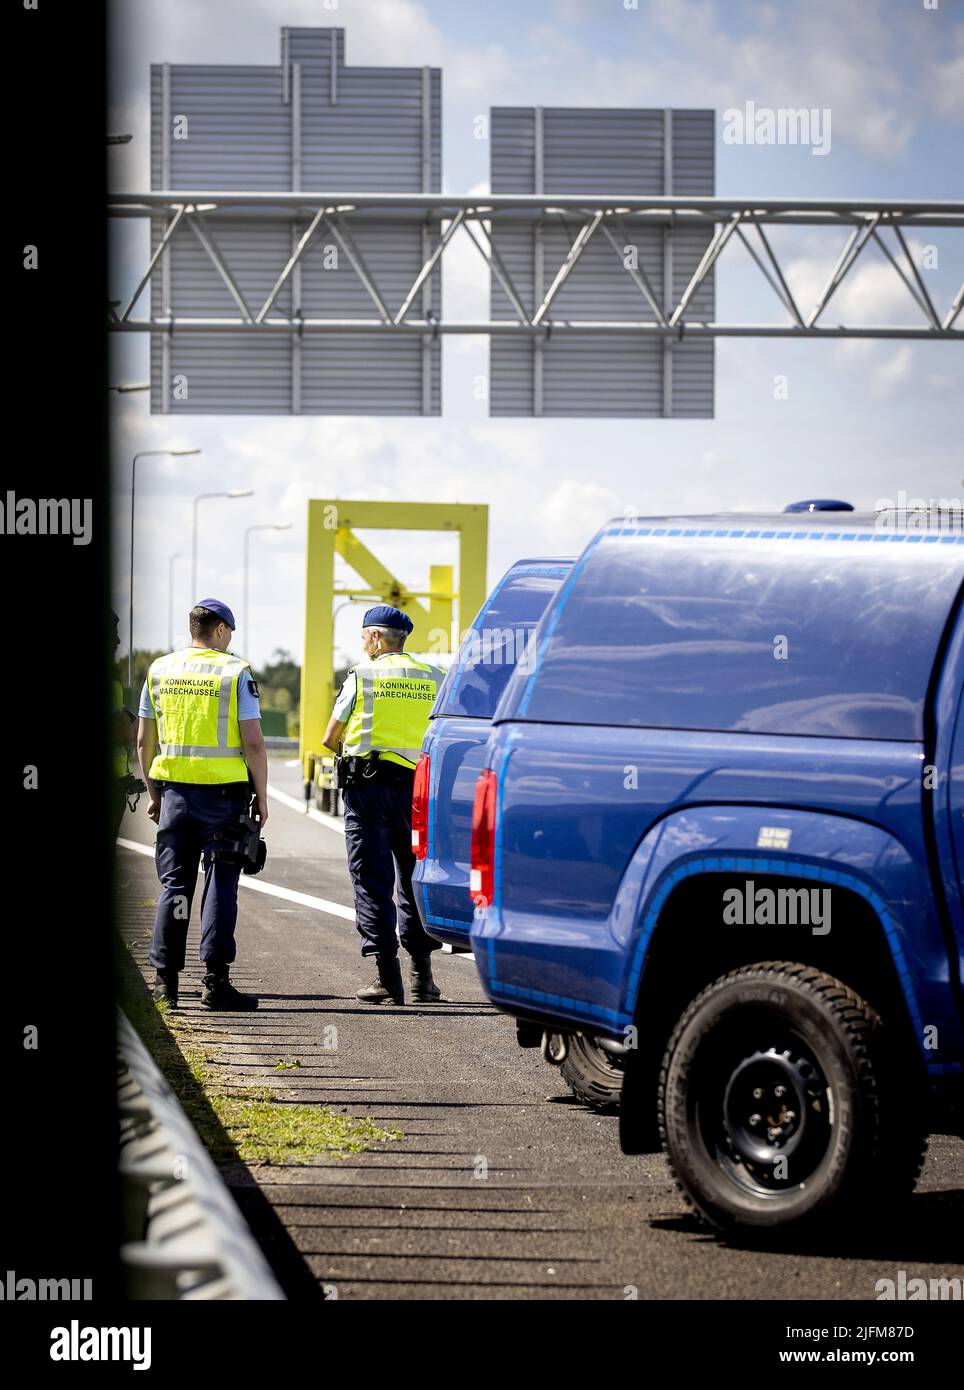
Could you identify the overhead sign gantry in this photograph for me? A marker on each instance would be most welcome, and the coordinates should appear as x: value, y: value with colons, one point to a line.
x: 271, y: 292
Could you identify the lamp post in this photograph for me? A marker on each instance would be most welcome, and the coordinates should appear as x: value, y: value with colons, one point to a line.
x: 144, y: 454
x: 201, y: 497
x: 170, y: 599
x: 285, y: 526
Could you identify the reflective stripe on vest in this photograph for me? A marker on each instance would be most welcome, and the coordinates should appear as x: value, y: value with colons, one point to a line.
x: 183, y: 705
x: 393, y: 699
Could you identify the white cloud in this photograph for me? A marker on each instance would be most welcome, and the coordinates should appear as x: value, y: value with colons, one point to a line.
x: 895, y: 372
x: 575, y: 510
x: 870, y: 293
x: 819, y: 55
x: 848, y: 58
x: 948, y: 81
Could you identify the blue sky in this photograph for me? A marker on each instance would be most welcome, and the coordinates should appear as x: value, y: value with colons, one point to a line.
x: 862, y: 420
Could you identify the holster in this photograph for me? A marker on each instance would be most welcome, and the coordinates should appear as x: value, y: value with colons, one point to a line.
x: 241, y: 844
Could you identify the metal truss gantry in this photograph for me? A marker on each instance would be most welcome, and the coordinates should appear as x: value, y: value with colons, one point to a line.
x: 728, y: 221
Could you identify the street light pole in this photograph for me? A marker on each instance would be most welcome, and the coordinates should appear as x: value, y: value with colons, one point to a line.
x: 286, y: 526
x: 201, y: 497
x: 143, y: 454
x: 170, y: 600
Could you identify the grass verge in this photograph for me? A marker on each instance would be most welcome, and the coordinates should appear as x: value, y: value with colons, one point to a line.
x: 235, y: 1121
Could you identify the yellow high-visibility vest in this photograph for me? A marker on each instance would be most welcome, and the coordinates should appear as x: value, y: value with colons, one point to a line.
x: 394, y: 695
x: 194, y: 692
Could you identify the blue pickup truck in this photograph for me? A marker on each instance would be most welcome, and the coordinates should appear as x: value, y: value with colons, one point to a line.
x: 720, y: 829
x: 452, y: 757
x: 453, y: 747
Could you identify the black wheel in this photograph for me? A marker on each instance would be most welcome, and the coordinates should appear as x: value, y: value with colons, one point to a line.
x: 593, y: 1074
x: 780, y: 1103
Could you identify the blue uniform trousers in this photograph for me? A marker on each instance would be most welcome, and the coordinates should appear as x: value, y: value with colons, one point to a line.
x: 191, y: 815
x: 378, y: 833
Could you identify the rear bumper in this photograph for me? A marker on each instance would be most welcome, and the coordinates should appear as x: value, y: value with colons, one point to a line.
x: 439, y: 904
x: 545, y: 982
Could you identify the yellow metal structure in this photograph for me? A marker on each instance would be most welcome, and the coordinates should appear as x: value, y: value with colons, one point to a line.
x: 438, y: 626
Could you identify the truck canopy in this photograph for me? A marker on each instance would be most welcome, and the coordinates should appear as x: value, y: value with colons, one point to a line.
x: 499, y: 638
x: 824, y: 625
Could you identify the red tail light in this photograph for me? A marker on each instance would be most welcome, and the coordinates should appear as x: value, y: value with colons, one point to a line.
x: 482, y: 875
x: 420, y: 807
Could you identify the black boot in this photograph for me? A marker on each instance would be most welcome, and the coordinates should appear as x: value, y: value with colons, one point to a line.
x: 217, y: 991
x: 165, y: 987
x: 424, y: 988
x: 388, y: 984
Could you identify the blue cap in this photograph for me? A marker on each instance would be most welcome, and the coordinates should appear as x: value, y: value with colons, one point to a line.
x: 214, y: 605
x: 383, y: 615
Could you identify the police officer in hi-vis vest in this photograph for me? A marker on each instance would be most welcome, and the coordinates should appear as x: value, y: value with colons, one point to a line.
x: 202, y: 755
x: 379, y: 719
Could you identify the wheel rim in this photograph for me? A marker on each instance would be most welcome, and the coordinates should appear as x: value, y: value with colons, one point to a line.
x: 762, y: 1105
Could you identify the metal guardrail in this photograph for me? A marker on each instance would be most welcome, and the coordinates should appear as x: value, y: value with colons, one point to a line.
x: 184, y: 1236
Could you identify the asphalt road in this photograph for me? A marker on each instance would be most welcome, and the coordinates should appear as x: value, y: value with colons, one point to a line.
x: 502, y: 1187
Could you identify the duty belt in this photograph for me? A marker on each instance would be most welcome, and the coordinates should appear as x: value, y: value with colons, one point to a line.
x: 355, y: 771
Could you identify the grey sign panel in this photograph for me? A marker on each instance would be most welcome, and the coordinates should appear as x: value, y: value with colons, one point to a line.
x: 225, y: 373
x: 309, y: 123
x: 693, y: 152
x: 575, y: 151
x: 365, y: 374
x: 227, y: 128
x: 363, y: 128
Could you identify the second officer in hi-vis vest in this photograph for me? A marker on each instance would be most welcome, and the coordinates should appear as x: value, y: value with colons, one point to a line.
x: 203, y: 759
x: 379, y: 719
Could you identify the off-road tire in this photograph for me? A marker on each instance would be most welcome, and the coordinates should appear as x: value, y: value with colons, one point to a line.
x: 594, y: 1075
x: 859, y: 1092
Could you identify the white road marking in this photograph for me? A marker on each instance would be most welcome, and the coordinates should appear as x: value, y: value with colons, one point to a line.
x: 292, y: 802
x: 274, y: 889
x: 447, y: 951
x: 303, y: 899
x: 333, y: 823
x: 136, y: 846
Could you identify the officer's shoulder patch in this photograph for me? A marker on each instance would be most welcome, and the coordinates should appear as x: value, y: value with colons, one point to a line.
x: 254, y: 687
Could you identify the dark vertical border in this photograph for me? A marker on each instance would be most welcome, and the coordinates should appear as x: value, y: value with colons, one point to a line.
x: 59, y: 1150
